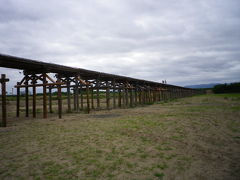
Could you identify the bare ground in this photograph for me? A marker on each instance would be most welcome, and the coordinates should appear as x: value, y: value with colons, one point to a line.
x: 189, y: 138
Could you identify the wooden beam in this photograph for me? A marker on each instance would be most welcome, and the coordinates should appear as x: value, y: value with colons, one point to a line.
x: 68, y: 95
x: 81, y: 96
x: 88, y: 103
x: 26, y: 97
x: 34, y: 98
x: 50, y: 99
x: 18, y: 101
x: 114, y: 93
x: 119, y: 98
x: 98, y: 97
x: 107, y: 95
x: 59, y: 99
x: 92, y: 98
x: 44, y: 95
x: 39, y: 85
x: 4, y: 101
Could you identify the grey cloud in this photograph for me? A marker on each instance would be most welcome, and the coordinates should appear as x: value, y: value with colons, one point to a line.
x: 185, y: 42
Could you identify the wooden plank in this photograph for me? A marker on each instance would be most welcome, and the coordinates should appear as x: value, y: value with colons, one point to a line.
x: 34, y: 98
x: 59, y: 99
x: 68, y: 95
x: 119, y: 98
x: 107, y: 95
x: 26, y: 97
x: 18, y: 102
x: 123, y: 97
x: 127, y: 96
x: 98, y: 97
x: 114, y: 93
x: 131, y: 97
x: 81, y: 96
x: 136, y: 96
x: 88, y: 103
x: 4, y: 100
x: 44, y: 95
x: 39, y: 85
x: 50, y: 99
x: 92, y: 98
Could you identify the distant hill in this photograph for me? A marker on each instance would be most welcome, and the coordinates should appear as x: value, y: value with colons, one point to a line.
x: 211, y: 85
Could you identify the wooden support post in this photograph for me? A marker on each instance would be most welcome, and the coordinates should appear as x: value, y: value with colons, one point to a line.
x: 145, y: 100
x: 59, y: 95
x: 114, y: 94
x: 44, y: 95
x: 26, y: 97
x: 88, y: 103
x: 34, y: 97
x: 81, y: 96
x: 74, y: 98
x: 136, y: 96
x: 126, y: 95
x: 119, y: 97
x: 131, y: 98
x: 18, y: 101
x: 145, y: 96
x: 76, y: 95
x: 68, y: 95
x: 107, y: 95
x: 123, y: 97
x: 159, y: 95
x: 92, y: 98
x: 98, y: 98
x: 140, y: 96
x: 50, y: 99
x: 4, y: 100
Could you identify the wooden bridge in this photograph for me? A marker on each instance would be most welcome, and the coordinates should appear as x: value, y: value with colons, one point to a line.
x: 84, y: 85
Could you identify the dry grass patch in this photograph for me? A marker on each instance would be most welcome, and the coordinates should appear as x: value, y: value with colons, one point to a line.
x: 190, y: 138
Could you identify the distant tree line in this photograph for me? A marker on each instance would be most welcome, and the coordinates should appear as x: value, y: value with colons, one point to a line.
x: 227, y: 88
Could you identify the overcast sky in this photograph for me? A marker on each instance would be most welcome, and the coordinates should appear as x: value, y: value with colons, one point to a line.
x: 182, y: 41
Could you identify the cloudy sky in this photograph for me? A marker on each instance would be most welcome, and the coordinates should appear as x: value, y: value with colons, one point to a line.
x: 182, y: 41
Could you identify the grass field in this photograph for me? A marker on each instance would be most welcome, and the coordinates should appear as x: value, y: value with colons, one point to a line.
x: 190, y: 138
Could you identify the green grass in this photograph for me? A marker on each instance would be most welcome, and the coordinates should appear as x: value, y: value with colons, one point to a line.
x: 161, y: 141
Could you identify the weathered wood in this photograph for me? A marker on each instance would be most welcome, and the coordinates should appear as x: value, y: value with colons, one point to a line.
x: 92, y: 98
x: 131, y: 97
x: 4, y: 100
x: 75, y: 91
x: 59, y: 95
x: 114, y: 93
x: 123, y: 97
x: 77, y: 94
x: 81, y: 96
x: 119, y: 98
x: 127, y: 96
x: 107, y: 95
x: 50, y: 99
x: 39, y: 85
x: 136, y: 97
x: 18, y: 102
x: 26, y: 97
x: 88, y: 103
x: 140, y: 96
x: 34, y: 98
x: 44, y: 95
x: 98, y: 97
x: 68, y: 95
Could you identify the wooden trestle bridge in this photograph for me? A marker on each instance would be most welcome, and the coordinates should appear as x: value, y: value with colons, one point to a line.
x: 120, y: 91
